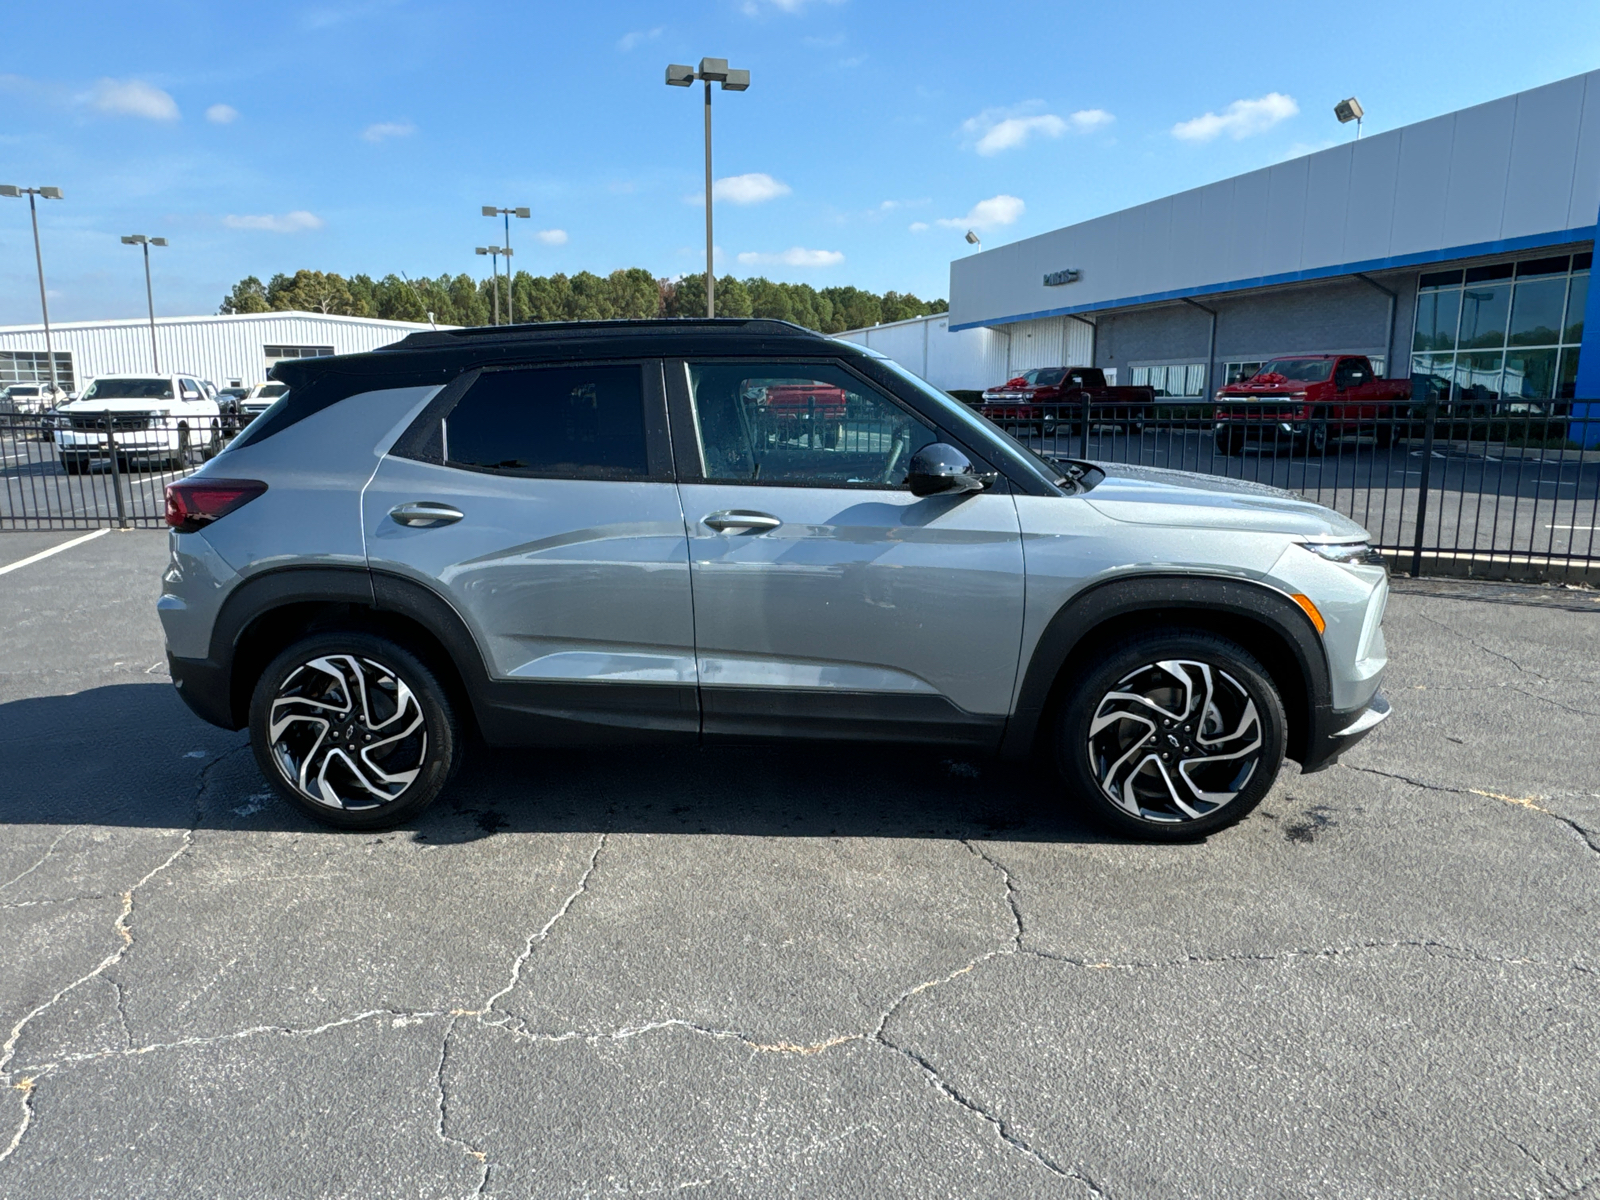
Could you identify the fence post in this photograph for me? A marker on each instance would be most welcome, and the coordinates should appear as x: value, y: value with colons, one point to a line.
x: 1083, y: 441
x: 116, y: 471
x: 1427, y: 474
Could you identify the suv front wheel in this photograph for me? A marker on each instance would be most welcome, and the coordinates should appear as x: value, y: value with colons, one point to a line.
x: 1171, y: 736
x: 353, y: 730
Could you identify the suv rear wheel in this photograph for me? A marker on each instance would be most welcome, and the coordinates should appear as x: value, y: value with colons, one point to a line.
x: 353, y: 730
x: 1171, y: 735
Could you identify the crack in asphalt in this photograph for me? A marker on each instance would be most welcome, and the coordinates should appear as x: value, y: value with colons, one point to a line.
x: 1528, y: 802
x: 46, y: 903
x: 466, y: 1148
x: 37, y: 865
x: 9, y: 1049
x: 1012, y: 895
x: 1455, y: 631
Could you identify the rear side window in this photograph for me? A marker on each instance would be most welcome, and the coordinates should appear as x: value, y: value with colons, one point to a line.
x: 574, y: 422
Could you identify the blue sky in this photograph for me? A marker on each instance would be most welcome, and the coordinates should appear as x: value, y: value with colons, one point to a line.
x: 364, y: 135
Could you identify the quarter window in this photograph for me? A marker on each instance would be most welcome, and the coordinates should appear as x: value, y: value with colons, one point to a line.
x: 574, y: 422
x: 800, y: 424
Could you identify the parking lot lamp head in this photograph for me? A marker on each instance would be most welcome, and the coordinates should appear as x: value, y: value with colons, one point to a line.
x: 139, y: 239
x: 14, y: 192
x: 973, y: 239
x: 1350, y: 110
x: 490, y: 210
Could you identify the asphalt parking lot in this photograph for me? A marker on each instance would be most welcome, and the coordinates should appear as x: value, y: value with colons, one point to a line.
x: 818, y: 973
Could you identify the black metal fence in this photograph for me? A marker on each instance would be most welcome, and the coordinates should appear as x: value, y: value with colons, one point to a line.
x: 1446, y: 487
x: 88, y: 470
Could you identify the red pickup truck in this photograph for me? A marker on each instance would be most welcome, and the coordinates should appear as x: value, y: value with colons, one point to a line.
x: 1039, y: 399
x: 1303, y: 401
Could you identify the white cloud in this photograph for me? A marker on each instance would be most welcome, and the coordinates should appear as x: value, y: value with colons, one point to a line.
x: 384, y: 130
x: 1241, y: 119
x: 552, y: 237
x: 629, y: 40
x: 222, y: 114
x: 748, y: 189
x: 986, y: 214
x: 919, y: 227
x: 292, y: 222
x: 795, y: 256
x: 133, y: 98
x: 997, y: 129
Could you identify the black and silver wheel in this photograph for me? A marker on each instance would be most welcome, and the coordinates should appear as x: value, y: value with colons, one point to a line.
x: 214, y: 442
x: 1230, y: 440
x: 353, y: 730
x: 1172, y: 736
x: 184, y: 458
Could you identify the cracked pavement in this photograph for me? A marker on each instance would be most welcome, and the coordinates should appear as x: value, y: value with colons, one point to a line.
x: 819, y: 972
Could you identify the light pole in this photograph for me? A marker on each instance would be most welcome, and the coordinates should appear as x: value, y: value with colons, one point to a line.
x: 139, y: 239
x: 490, y: 210
x: 49, y: 193
x: 494, y: 253
x: 712, y: 70
x: 974, y: 240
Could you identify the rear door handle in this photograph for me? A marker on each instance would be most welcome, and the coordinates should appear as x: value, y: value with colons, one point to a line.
x: 424, y: 514
x: 740, y: 519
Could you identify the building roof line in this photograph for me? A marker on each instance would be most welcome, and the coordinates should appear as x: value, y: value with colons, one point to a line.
x: 212, y: 318
x: 1514, y: 245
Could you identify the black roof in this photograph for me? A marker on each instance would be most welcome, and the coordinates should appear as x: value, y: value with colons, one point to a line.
x: 435, y: 354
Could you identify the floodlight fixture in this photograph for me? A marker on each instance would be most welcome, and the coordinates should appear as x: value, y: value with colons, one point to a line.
x: 1350, y: 110
x: 711, y: 70
x: 51, y: 193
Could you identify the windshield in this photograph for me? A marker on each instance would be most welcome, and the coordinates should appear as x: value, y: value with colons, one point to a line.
x: 984, y: 432
x: 1045, y: 376
x: 1297, y: 370
x: 129, y: 389
x: 274, y: 389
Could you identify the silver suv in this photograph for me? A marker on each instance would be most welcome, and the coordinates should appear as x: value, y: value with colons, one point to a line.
x: 709, y: 530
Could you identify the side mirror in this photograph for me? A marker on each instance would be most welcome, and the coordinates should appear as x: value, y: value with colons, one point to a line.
x: 940, y: 470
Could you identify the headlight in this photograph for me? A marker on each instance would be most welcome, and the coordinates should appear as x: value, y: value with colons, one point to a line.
x: 1356, y: 554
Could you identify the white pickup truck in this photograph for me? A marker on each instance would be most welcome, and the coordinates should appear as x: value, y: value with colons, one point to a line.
x: 154, y: 420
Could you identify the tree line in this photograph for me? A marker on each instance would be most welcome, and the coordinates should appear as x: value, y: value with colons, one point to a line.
x: 635, y: 292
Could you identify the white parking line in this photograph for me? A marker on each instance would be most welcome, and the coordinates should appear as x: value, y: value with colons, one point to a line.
x: 33, y: 558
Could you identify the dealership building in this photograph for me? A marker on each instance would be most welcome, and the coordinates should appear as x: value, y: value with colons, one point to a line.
x: 226, y: 349
x: 1455, y: 251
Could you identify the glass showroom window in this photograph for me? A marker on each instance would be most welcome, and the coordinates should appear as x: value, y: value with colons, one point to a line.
x: 1177, y: 380
x: 1501, y: 334
x: 31, y: 366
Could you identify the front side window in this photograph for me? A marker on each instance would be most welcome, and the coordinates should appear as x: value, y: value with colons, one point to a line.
x: 1298, y: 370
x: 573, y: 422
x: 800, y: 424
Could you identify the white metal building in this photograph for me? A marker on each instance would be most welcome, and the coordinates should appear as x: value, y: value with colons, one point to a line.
x: 1456, y: 251
x: 226, y: 349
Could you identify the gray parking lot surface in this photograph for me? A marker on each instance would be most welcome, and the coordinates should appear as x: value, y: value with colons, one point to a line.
x: 814, y: 972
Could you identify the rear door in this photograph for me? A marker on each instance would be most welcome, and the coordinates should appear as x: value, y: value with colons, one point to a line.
x: 539, y: 502
x: 829, y: 601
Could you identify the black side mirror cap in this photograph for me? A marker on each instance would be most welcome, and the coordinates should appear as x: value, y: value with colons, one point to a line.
x: 940, y: 470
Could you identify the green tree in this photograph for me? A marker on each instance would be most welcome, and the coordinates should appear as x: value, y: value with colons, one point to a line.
x: 544, y: 297
x: 591, y: 298
x: 311, y: 291
x: 733, y: 298
x: 249, y: 295
x: 686, y: 297
x: 852, y: 309
x: 768, y: 299
x: 635, y: 293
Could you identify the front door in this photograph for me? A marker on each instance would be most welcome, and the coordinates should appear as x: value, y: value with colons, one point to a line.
x: 539, y: 502
x: 829, y: 601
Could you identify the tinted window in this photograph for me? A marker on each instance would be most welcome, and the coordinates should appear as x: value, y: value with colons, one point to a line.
x: 129, y: 389
x: 800, y: 423
x: 584, y: 422
x: 1298, y: 370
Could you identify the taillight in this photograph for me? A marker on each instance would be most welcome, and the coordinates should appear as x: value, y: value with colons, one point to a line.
x: 193, y: 503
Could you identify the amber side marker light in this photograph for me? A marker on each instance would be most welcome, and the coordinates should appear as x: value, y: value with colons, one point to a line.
x: 193, y: 504
x: 1310, y: 610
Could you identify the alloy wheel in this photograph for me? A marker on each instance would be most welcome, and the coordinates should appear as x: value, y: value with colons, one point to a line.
x: 1174, y: 741
x: 346, y: 732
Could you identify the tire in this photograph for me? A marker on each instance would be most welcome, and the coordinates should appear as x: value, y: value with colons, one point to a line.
x: 1316, y: 440
x: 1098, y: 753
x: 1383, y: 435
x: 214, y: 442
x: 75, y: 465
x: 403, y: 779
x: 183, y: 459
x: 1230, y: 441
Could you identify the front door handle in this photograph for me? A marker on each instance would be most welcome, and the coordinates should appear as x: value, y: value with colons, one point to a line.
x: 424, y: 514
x: 740, y: 519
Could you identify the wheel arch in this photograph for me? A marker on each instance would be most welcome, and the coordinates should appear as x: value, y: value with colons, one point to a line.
x: 1264, y: 621
x: 272, y: 611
